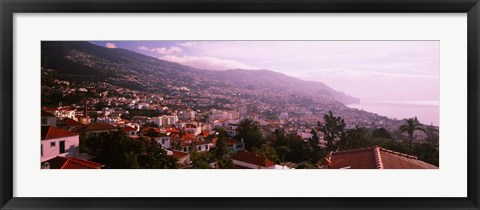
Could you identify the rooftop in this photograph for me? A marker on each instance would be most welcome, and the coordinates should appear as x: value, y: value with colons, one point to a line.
x: 376, y: 158
x: 49, y: 132
x: 253, y: 158
x: 72, y: 163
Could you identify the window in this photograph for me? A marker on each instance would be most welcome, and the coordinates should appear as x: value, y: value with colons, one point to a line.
x: 62, y: 147
x: 44, y: 120
x: 199, y: 147
x: 206, y: 147
x: 163, y: 141
x: 52, y: 144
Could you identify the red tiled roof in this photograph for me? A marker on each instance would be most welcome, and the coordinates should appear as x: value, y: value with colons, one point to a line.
x: 376, y: 158
x: 100, y: 127
x: 72, y: 123
x: 178, y: 154
x: 72, y: 163
x: 172, y: 130
x: 128, y: 129
x: 253, y: 158
x: 48, y: 132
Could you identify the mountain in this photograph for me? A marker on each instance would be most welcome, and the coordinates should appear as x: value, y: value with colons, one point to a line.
x: 73, y: 59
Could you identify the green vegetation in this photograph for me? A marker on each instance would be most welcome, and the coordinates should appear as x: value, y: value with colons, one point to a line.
x: 250, y: 132
x: 116, y: 150
x: 412, y: 125
x: 333, y: 128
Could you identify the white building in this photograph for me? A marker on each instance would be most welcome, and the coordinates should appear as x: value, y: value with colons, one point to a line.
x: 58, y: 142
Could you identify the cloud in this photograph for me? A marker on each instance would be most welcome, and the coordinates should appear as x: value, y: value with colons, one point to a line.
x: 110, y: 45
x: 162, y: 50
x: 206, y: 62
x: 143, y: 48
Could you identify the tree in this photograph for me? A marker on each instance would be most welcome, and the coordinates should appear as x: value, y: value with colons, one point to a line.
x: 282, y: 152
x: 355, y: 138
x: 412, y: 124
x: 267, y: 152
x: 116, y: 150
x: 250, y: 132
x: 220, y: 150
x: 381, y: 133
x: 305, y: 165
x: 333, y: 128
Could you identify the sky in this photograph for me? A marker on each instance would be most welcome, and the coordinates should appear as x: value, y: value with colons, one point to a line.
x: 369, y: 70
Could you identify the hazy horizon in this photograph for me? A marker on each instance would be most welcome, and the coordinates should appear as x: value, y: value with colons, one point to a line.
x: 369, y: 70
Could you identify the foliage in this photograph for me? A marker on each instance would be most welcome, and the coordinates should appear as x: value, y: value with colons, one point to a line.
x: 355, y: 138
x: 412, y: 124
x: 250, y: 132
x: 282, y: 152
x: 268, y: 152
x: 305, y: 165
x: 332, y: 129
x: 381, y: 133
x: 116, y: 150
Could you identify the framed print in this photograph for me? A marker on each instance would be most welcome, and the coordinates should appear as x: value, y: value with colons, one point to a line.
x: 239, y: 105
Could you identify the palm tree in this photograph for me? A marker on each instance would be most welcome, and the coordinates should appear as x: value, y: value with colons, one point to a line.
x: 412, y: 125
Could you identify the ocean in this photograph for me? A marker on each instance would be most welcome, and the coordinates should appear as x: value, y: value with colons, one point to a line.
x: 427, y: 112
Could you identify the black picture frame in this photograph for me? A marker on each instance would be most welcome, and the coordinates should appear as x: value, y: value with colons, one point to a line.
x: 10, y: 7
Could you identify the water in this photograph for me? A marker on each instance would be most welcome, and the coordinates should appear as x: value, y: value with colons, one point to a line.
x: 427, y: 112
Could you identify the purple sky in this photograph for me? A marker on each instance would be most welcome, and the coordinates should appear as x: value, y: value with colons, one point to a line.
x: 370, y: 70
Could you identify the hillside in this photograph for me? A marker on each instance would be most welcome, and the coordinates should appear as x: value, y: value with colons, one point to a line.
x: 83, y: 60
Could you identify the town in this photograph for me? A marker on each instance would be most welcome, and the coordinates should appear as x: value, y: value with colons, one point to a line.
x: 113, y: 127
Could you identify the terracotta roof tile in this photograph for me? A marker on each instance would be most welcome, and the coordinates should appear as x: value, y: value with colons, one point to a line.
x: 376, y: 158
x: 178, y: 154
x: 100, y: 127
x: 72, y: 163
x: 48, y: 132
x: 72, y: 123
x: 253, y: 158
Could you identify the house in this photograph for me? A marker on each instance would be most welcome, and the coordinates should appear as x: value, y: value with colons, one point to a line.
x: 48, y: 119
x: 182, y: 157
x: 235, y: 145
x: 231, y: 129
x: 97, y: 128
x: 203, y: 146
x: 58, y: 142
x: 163, y: 139
x: 249, y: 160
x: 373, y: 158
x: 61, y: 112
x: 190, y: 128
x: 131, y: 132
x: 70, y: 163
x: 70, y: 124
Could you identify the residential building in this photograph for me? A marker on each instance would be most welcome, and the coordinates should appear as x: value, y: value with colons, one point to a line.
x: 58, y: 142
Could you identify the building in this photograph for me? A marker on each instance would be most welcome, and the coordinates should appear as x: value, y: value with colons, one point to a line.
x: 58, y: 142
x: 374, y: 158
x: 48, y: 119
x: 163, y: 139
x: 70, y: 163
x: 249, y: 160
x: 235, y: 145
x: 97, y: 128
x: 182, y: 157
